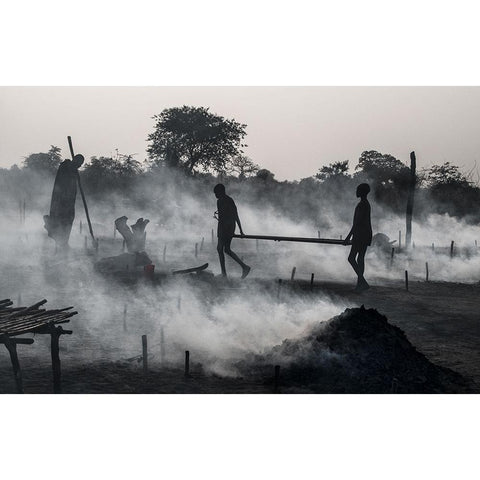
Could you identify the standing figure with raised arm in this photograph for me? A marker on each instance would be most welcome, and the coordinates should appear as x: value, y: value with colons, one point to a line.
x: 227, y: 220
x: 62, y: 206
x: 360, y: 236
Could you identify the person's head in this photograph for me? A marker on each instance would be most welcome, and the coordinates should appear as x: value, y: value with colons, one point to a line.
x: 78, y: 160
x: 363, y: 190
x: 219, y: 190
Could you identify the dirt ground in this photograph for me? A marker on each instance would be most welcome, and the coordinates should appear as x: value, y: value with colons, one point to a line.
x: 440, y: 319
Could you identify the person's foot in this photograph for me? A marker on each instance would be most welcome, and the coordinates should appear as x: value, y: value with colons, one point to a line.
x: 362, y: 285
x: 245, y: 271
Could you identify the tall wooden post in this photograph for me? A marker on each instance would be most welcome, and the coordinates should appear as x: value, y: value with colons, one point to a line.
x: 55, y: 353
x: 17, y: 373
x: 410, y: 199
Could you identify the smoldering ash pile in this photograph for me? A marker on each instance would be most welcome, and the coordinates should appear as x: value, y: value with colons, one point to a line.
x: 358, y: 351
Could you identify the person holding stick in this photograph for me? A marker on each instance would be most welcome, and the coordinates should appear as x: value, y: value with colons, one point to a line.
x: 227, y: 220
x: 360, y: 236
x: 62, y: 207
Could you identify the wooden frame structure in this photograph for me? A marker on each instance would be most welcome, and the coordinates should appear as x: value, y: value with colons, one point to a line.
x: 33, y: 319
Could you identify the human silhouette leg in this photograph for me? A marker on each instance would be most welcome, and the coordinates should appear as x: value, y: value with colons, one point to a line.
x: 221, y: 256
x: 232, y: 254
x: 356, y: 258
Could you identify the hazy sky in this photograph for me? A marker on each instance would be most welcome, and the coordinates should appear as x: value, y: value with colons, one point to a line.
x: 292, y: 131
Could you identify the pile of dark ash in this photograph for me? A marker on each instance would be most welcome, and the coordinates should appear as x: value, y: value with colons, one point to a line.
x: 357, y: 351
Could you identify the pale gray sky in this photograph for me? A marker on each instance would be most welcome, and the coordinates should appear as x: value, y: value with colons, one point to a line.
x: 292, y: 131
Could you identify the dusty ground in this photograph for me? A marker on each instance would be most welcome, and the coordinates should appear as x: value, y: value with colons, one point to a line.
x: 440, y: 319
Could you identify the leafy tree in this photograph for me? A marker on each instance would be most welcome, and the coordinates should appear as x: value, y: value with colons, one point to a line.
x: 383, y: 168
x: 194, y: 139
x: 44, y: 162
x: 103, y: 173
x: 388, y: 176
x: 243, y: 167
x: 446, y: 174
x: 333, y: 170
x: 265, y: 175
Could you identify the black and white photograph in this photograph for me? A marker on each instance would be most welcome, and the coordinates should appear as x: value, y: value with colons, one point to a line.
x: 239, y: 240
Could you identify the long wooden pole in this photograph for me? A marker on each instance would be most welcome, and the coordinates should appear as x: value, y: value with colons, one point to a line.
x: 330, y: 241
x: 81, y: 193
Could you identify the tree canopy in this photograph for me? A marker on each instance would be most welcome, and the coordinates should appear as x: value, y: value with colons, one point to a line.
x: 195, y: 139
x: 44, y: 162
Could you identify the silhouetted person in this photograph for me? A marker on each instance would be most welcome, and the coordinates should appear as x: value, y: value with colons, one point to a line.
x: 360, y: 235
x: 227, y: 219
x: 62, y: 207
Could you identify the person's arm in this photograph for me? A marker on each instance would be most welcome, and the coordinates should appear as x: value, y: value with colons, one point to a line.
x: 348, y: 237
x: 237, y: 219
x: 355, y: 223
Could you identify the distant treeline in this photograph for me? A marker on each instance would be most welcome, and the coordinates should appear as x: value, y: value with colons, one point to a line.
x: 192, y: 149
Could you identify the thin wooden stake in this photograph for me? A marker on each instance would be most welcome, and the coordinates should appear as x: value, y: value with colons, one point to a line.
x: 162, y: 345
x: 292, y: 277
x: 426, y: 271
x: 451, y: 249
x: 187, y: 363
x: 165, y: 253
x: 311, y: 281
x: 276, y: 383
x: 392, y: 255
x: 399, y: 240
x: 406, y: 280
x: 433, y: 247
x: 144, y: 354
x: 318, y: 232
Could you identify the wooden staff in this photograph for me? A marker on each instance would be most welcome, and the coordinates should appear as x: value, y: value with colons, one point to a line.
x: 81, y: 192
